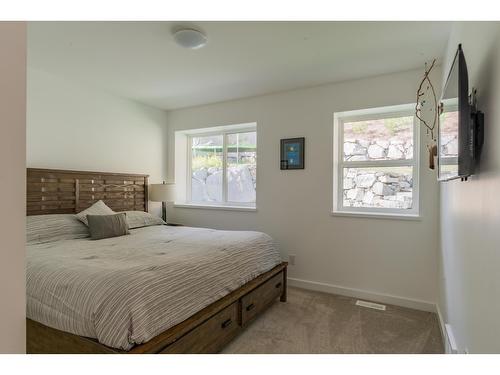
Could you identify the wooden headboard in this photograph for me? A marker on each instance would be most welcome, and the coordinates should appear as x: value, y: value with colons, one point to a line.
x: 53, y: 191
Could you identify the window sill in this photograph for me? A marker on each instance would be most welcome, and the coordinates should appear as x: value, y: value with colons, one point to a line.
x: 215, y: 207
x: 377, y: 215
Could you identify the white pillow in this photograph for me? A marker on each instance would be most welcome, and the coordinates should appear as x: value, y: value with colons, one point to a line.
x: 138, y: 219
x: 49, y: 228
x: 98, y: 208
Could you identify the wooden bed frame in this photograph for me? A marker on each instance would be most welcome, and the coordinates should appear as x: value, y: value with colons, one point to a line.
x: 51, y: 191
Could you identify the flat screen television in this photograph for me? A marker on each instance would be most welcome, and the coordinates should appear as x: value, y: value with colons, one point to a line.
x: 460, y: 135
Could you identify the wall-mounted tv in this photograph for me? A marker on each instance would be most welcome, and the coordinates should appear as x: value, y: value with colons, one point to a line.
x: 460, y: 135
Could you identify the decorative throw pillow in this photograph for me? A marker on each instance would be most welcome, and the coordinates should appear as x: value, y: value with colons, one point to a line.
x: 55, y: 227
x: 138, y: 219
x: 106, y: 226
x: 98, y: 208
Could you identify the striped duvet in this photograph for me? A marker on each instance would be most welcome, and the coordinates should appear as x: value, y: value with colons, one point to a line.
x: 125, y: 290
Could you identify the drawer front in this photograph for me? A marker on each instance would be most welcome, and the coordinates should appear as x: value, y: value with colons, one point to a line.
x: 222, y: 327
x: 260, y: 298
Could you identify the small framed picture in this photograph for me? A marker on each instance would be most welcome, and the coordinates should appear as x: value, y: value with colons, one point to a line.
x: 292, y: 153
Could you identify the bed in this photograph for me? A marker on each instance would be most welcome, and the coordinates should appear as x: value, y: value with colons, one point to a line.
x: 161, y: 289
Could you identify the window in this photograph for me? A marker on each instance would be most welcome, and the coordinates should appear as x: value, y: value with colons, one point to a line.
x: 376, y: 162
x: 222, y: 167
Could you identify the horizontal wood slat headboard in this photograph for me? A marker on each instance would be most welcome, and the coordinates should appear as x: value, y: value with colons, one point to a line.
x: 53, y: 191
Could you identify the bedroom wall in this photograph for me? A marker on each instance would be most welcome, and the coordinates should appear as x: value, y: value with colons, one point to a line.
x: 71, y: 126
x: 387, y: 260
x: 470, y: 211
x: 12, y: 179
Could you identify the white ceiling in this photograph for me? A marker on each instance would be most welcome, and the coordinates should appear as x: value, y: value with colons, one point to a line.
x: 140, y: 61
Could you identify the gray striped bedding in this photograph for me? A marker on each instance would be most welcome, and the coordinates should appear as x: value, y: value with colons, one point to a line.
x: 139, y: 219
x: 50, y: 228
x: 125, y: 290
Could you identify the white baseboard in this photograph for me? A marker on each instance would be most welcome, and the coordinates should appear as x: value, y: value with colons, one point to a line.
x: 450, y: 345
x: 363, y: 294
x: 447, y: 347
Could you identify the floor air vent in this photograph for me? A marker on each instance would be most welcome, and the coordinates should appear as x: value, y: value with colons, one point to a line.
x: 370, y: 305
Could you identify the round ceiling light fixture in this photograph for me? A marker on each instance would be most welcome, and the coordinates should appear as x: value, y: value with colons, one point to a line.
x: 190, y: 38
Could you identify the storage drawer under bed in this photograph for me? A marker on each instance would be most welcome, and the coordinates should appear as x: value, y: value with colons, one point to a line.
x: 221, y: 328
x: 253, y: 303
x: 226, y: 324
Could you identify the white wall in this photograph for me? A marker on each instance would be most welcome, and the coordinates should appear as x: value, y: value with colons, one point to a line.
x: 470, y: 211
x: 12, y: 182
x: 387, y: 257
x: 70, y: 126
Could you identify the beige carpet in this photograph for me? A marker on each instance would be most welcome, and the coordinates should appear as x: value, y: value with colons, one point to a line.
x: 313, y: 322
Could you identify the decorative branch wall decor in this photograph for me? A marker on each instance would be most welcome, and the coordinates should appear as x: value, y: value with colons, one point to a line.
x: 426, y: 110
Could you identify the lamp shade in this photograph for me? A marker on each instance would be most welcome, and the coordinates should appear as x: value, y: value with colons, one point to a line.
x: 162, y: 192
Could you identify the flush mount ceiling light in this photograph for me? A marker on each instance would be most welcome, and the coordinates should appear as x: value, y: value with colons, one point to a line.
x: 190, y: 38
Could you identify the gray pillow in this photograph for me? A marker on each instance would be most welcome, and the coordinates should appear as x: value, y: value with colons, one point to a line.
x: 139, y: 219
x: 106, y: 226
x: 54, y: 227
x: 98, y: 208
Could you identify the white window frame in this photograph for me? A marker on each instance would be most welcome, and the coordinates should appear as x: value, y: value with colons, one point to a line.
x: 450, y: 160
x: 224, y: 131
x: 339, y: 164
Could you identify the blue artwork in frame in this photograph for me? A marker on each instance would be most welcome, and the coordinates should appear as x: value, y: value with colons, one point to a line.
x: 292, y: 153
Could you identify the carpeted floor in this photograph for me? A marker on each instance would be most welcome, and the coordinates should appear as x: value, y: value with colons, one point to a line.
x: 314, y: 322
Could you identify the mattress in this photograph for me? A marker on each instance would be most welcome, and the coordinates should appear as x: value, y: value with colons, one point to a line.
x: 123, y: 291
